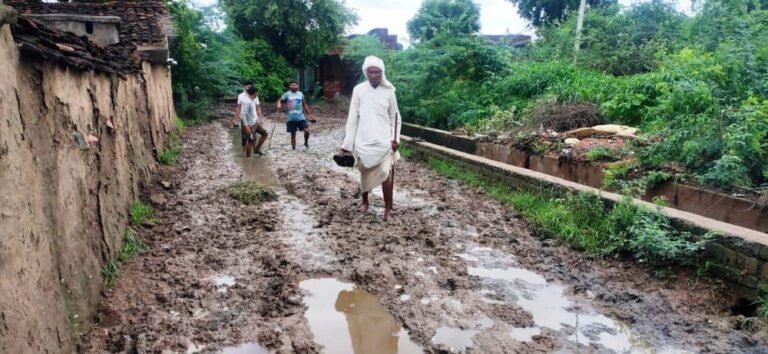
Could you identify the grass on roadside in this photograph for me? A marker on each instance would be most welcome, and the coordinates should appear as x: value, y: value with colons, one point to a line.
x: 251, y: 192
x: 405, y: 151
x: 584, y: 222
x: 170, y: 155
x: 180, y: 125
x: 762, y: 307
x: 141, y: 213
x: 132, y: 246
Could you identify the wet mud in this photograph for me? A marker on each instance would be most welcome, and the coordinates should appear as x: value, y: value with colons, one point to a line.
x: 454, y: 271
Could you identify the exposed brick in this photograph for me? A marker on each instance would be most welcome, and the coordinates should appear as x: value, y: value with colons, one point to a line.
x: 749, y: 265
x: 749, y: 281
x: 763, y: 272
x: 722, y: 254
x: 763, y: 250
x: 724, y: 272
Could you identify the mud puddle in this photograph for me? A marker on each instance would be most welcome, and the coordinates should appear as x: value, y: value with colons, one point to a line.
x: 345, y: 319
x: 255, y: 167
x: 310, y: 247
x: 576, y: 322
x: 247, y: 348
x: 223, y: 282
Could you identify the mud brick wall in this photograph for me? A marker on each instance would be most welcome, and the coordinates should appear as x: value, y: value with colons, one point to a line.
x: 739, y: 256
x: 65, y: 197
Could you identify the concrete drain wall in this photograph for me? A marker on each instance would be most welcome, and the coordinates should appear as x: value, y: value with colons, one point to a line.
x: 739, y: 256
x: 720, y: 206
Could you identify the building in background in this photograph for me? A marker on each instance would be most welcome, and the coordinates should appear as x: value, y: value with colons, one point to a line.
x: 336, y: 76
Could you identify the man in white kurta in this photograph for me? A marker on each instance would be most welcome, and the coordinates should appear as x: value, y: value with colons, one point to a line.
x: 373, y: 132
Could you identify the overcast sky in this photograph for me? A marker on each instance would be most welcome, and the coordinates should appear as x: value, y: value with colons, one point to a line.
x: 496, y: 16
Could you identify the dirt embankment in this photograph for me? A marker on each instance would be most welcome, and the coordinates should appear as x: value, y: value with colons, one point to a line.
x: 74, y: 148
x: 455, y: 268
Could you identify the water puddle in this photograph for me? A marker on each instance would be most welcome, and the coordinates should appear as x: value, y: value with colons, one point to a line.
x: 458, y: 340
x: 455, y: 339
x: 223, y: 282
x: 548, y: 305
x: 525, y: 334
x: 258, y: 168
x: 247, y: 348
x: 345, y: 319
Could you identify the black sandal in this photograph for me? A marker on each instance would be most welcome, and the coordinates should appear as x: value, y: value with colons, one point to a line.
x: 344, y: 160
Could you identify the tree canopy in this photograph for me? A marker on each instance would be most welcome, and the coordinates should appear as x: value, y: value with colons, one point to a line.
x: 542, y: 12
x: 299, y: 30
x: 449, y: 17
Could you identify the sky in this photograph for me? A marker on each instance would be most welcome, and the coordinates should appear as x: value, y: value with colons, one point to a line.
x: 496, y: 16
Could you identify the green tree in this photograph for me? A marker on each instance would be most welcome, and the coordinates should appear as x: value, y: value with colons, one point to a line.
x: 213, y: 63
x: 362, y: 46
x: 299, y: 30
x: 616, y: 41
x: 542, y: 12
x: 449, y: 17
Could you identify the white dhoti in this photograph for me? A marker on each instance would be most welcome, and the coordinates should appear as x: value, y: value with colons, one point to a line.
x: 376, y: 175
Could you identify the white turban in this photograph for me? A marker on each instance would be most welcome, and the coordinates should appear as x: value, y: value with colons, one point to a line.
x: 373, y: 61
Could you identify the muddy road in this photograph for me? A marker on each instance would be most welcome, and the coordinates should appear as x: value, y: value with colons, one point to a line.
x: 455, y: 271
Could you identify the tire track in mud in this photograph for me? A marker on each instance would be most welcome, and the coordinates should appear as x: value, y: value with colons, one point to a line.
x: 455, y: 268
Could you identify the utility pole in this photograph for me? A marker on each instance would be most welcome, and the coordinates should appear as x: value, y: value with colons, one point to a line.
x: 579, y: 25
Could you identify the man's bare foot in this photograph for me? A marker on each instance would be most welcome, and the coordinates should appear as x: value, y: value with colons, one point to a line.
x: 363, y: 207
x: 387, y: 214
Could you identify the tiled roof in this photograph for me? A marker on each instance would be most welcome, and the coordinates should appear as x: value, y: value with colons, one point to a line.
x: 38, y: 41
x: 144, y: 23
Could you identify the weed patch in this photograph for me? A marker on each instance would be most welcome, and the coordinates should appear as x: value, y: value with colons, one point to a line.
x: 585, y: 223
x: 405, y: 151
x: 132, y: 246
x: 170, y: 155
x: 762, y: 307
x: 180, y: 125
x: 109, y: 272
x: 603, y: 154
x: 141, y: 213
x: 251, y: 192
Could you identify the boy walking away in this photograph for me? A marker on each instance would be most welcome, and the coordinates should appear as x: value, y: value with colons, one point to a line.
x: 249, y: 123
x: 296, y: 106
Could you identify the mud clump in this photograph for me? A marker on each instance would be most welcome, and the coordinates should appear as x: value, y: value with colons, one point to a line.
x: 251, y: 192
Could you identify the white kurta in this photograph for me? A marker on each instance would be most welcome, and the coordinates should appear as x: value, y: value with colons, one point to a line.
x: 371, y: 125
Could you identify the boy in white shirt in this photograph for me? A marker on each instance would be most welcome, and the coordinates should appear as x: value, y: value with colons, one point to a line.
x: 249, y: 122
